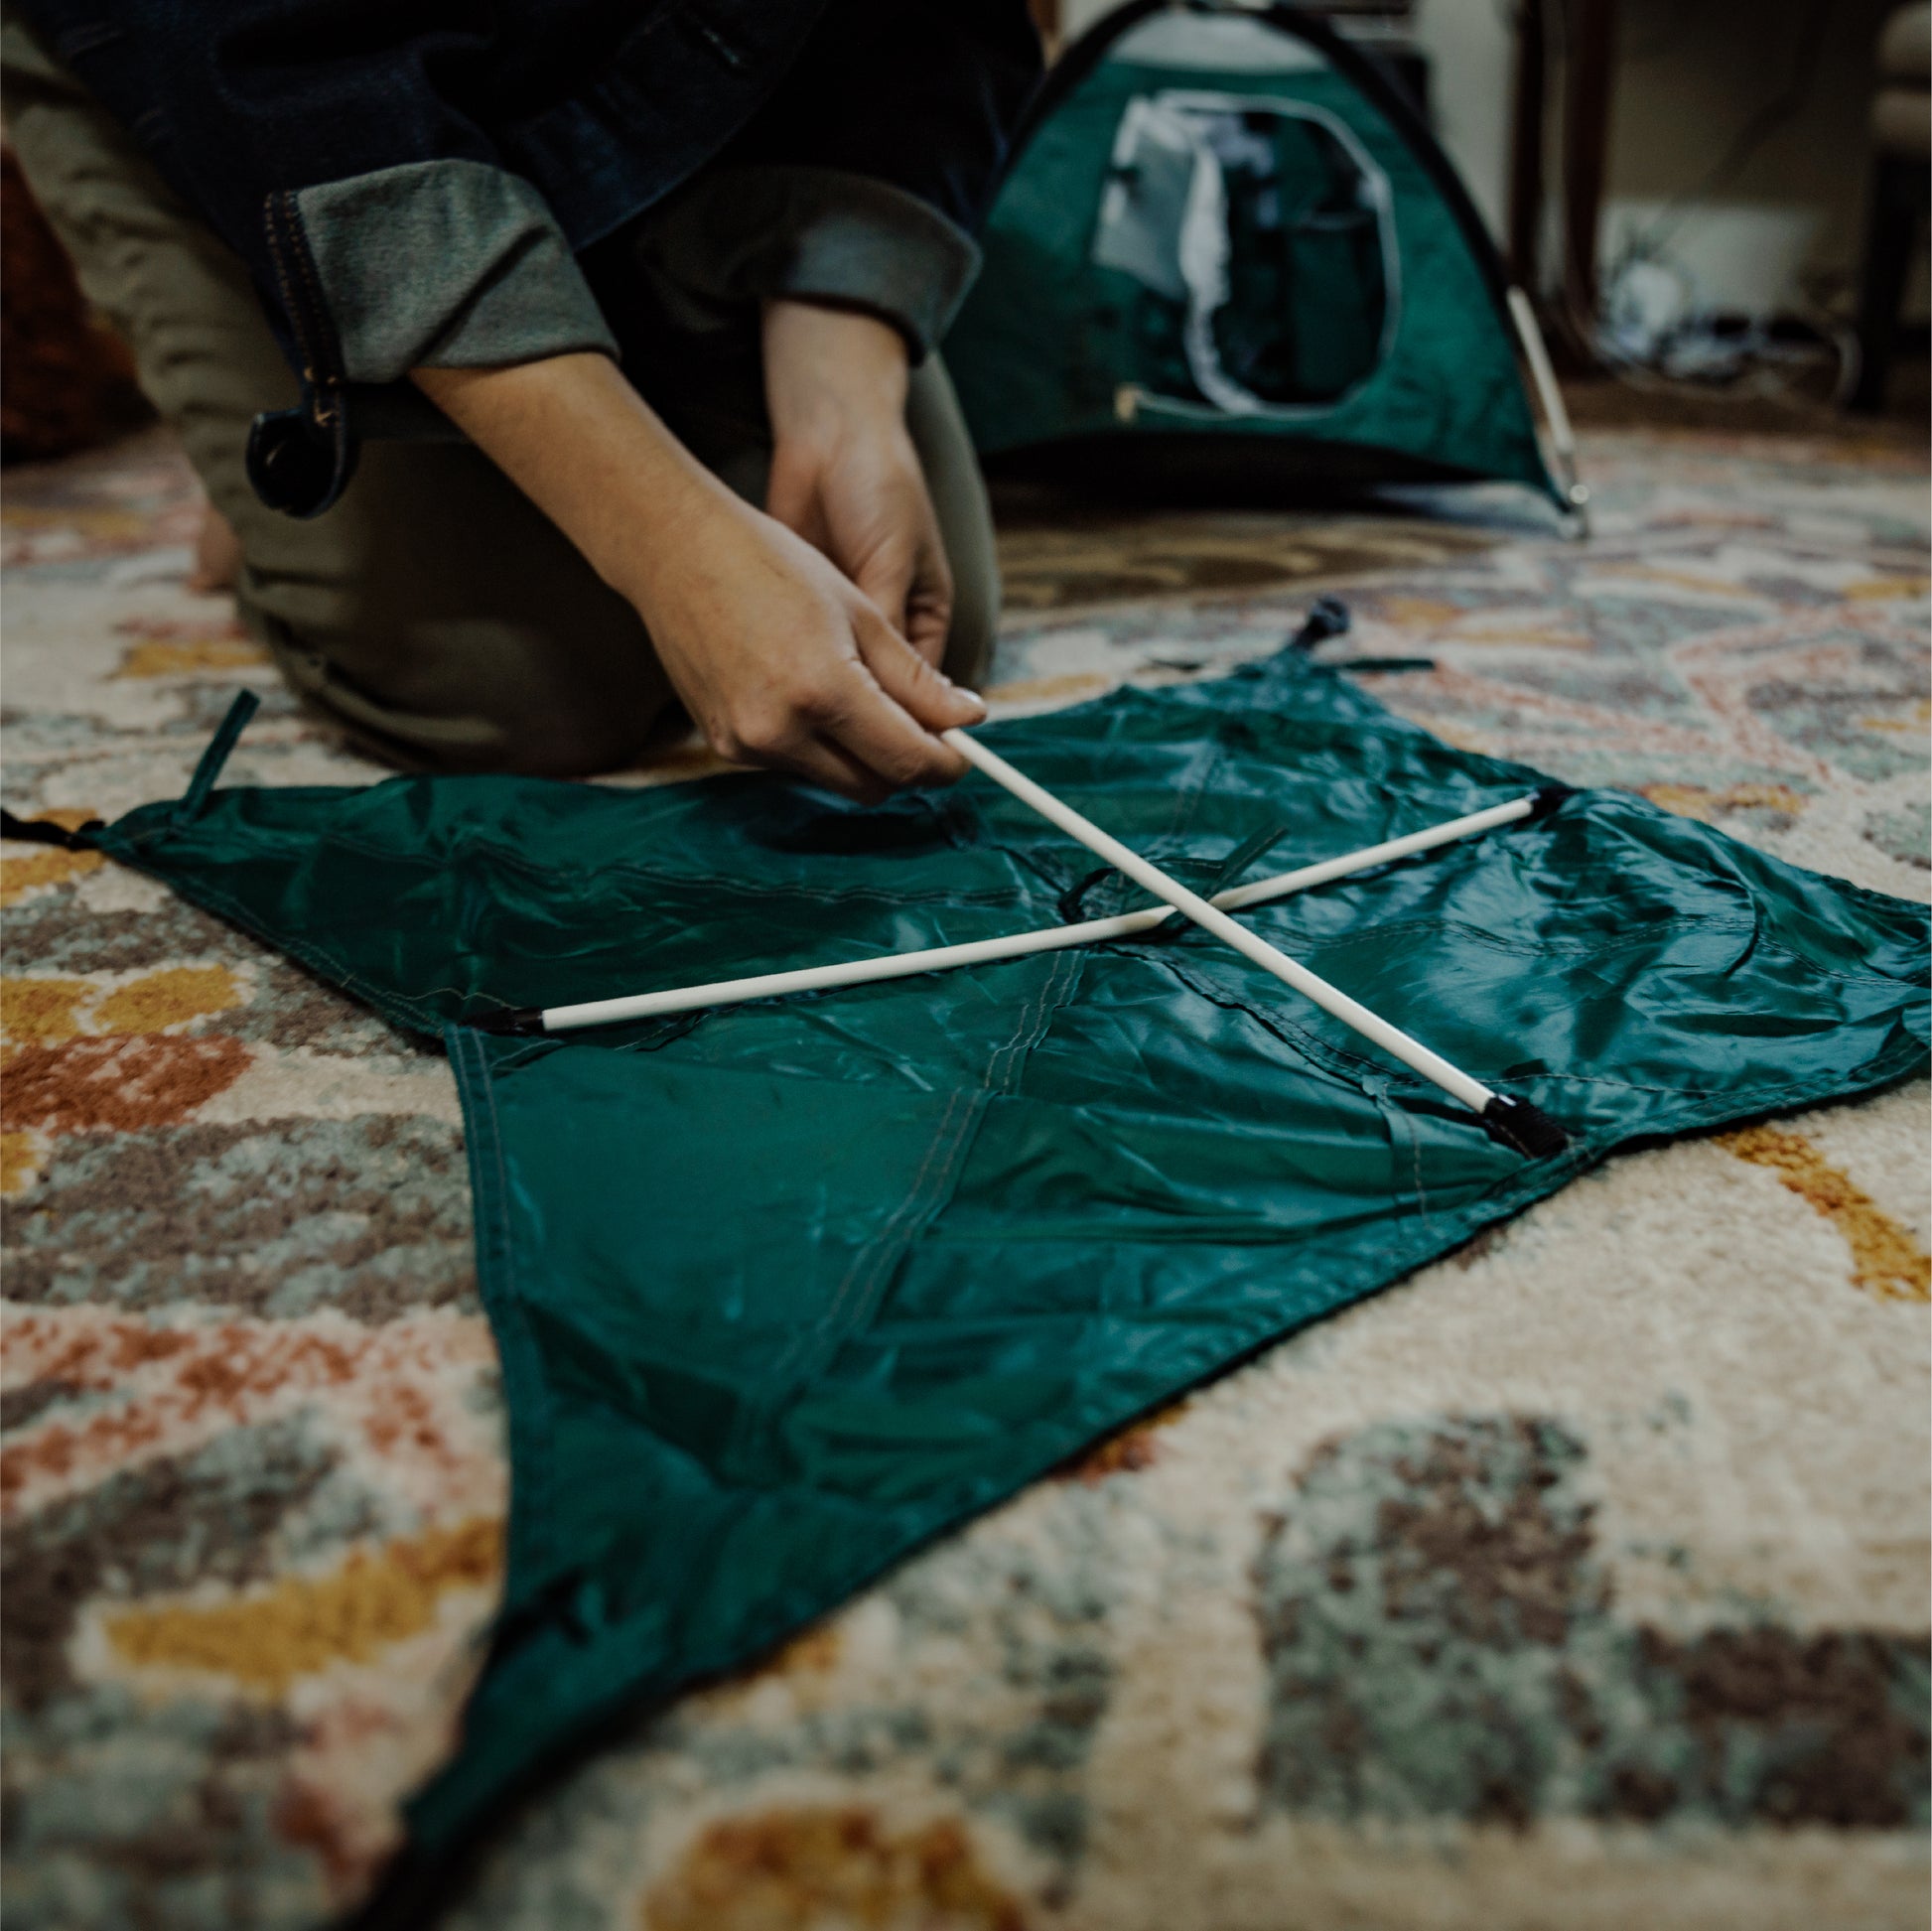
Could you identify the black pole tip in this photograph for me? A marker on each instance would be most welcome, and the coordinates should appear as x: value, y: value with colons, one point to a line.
x: 515, y: 1020
x: 1547, y: 799
x: 1328, y: 617
x: 1516, y: 1123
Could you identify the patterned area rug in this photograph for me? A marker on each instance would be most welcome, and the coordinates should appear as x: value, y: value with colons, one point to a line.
x: 1581, y: 1579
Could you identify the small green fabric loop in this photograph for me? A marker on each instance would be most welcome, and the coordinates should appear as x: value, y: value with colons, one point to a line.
x: 1250, y: 851
x: 245, y: 707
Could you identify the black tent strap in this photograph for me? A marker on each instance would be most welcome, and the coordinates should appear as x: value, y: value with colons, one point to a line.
x: 48, y: 831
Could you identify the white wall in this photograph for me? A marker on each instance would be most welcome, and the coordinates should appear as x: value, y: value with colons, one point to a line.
x: 1076, y: 16
x: 1472, y: 71
x: 1690, y: 78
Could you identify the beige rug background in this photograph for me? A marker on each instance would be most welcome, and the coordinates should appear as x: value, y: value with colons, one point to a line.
x: 1579, y: 1580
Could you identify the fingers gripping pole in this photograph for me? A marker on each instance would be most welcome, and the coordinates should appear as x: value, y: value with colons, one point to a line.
x: 1532, y: 1129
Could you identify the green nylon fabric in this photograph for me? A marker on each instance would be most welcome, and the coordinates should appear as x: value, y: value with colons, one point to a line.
x: 785, y: 1289
x: 1049, y: 337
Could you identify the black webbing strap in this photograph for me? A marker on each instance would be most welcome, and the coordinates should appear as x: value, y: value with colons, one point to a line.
x: 46, y: 831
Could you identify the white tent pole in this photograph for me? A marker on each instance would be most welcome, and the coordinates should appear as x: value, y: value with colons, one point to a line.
x: 1562, y: 440
x: 1251, y: 945
x: 1016, y: 946
x: 1513, y: 1121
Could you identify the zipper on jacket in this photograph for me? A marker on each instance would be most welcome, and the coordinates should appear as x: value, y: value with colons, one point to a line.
x: 301, y: 301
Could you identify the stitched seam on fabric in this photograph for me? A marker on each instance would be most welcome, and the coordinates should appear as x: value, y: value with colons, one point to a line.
x: 1714, y: 923
x: 912, y: 1208
x: 617, y: 1682
x: 814, y: 1344
x: 1590, y: 947
x: 1056, y: 990
x: 1000, y: 1068
x: 1637, y: 1086
x: 721, y: 883
x: 1825, y: 972
x: 1415, y: 1147
x: 293, y: 845
x: 399, y: 1007
x: 1187, y: 800
x: 530, y: 1509
x: 1186, y: 804
x: 1350, y: 1068
x: 1319, y: 1048
x: 878, y: 1261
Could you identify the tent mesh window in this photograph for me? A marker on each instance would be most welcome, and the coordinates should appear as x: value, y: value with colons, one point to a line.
x: 1259, y: 233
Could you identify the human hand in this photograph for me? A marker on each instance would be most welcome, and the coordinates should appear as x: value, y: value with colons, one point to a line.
x: 845, y: 475
x: 783, y: 661
x: 780, y: 658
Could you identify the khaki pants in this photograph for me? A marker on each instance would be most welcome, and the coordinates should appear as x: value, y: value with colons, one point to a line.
x: 434, y: 613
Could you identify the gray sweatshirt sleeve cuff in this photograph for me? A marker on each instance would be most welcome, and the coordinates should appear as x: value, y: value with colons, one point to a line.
x: 815, y: 234
x: 445, y: 264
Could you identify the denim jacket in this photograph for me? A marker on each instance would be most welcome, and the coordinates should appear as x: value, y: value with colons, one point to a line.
x: 414, y: 182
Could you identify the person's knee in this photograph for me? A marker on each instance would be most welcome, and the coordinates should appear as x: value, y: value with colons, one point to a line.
x: 975, y: 622
x: 469, y: 698
x: 444, y: 623
x: 959, y: 501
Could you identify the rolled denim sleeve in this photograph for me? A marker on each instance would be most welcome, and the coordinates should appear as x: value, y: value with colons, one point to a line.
x: 748, y: 234
x: 445, y: 264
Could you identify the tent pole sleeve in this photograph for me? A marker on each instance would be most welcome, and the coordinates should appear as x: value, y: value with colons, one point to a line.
x: 1392, y: 1039
x: 1014, y: 945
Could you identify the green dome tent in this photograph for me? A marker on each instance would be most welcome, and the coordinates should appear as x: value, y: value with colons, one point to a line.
x: 1226, y: 245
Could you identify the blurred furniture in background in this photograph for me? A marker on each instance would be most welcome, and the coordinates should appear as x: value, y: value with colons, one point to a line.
x: 1588, y: 71
x: 1902, y: 132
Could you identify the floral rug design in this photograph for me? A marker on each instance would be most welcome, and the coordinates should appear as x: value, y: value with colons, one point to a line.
x: 1579, y: 1579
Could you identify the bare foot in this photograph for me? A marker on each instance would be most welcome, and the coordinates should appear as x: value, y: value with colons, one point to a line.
x: 218, y: 553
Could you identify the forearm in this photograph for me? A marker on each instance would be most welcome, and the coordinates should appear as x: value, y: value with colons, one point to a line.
x: 581, y: 443
x: 845, y: 474
x: 830, y: 374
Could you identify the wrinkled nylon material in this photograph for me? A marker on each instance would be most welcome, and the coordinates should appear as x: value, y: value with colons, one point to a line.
x: 783, y: 1290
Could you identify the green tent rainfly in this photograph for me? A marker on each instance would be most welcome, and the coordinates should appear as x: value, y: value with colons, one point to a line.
x: 1224, y: 223
x: 783, y: 1290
